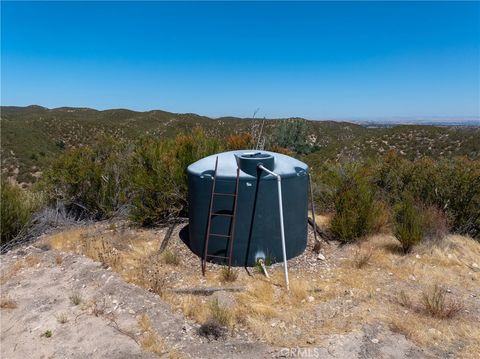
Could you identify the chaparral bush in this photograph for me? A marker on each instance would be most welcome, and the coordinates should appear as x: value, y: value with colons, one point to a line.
x: 159, y: 180
x: 409, y: 229
x: 17, y: 206
x: 355, y: 208
x: 147, y: 176
x: 93, y: 179
x: 446, y: 192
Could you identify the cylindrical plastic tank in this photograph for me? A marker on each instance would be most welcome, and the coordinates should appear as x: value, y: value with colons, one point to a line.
x: 257, y: 228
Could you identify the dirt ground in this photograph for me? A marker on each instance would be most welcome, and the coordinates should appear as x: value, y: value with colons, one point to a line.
x: 105, y: 291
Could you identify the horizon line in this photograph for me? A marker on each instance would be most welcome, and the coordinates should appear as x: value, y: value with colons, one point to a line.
x: 387, y: 118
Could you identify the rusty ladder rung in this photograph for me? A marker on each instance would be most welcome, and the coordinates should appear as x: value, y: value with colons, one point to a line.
x: 214, y: 256
x: 222, y: 214
x: 220, y: 235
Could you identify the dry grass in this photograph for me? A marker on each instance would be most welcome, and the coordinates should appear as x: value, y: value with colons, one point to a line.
x: 404, y: 299
x: 7, y: 303
x: 362, y: 257
x: 194, y: 308
x: 31, y: 260
x: 437, y: 305
x: 299, y: 290
x: 152, y: 342
x: 228, y: 274
x: 220, y: 313
x: 75, y: 298
x: 79, y: 241
x: 133, y: 257
x: 433, y: 302
x: 62, y: 318
x: 171, y: 258
x: 346, y: 298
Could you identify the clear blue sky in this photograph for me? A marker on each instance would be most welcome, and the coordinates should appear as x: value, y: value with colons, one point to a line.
x: 315, y: 60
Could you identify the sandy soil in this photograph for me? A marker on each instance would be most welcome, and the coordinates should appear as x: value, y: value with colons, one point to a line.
x: 336, y: 311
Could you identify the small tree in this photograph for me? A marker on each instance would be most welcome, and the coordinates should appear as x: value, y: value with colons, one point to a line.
x: 355, y: 209
x: 17, y: 207
x: 293, y: 135
x: 408, y: 223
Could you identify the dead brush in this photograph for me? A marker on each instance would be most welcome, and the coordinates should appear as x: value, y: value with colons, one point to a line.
x: 404, y: 300
x: 102, y: 251
x: 228, y: 274
x: 437, y: 305
x: 98, y: 309
x: 158, y: 285
x: 362, y: 257
x: 212, y: 329
x: 154, y: 280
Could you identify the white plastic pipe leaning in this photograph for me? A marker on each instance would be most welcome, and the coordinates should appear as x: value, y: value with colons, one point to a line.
x: 282, y: 230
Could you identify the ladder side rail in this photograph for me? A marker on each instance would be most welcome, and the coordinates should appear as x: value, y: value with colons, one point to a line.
x: 205, y: 252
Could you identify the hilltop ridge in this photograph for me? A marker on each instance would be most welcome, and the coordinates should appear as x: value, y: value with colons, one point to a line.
x: 33, y: 135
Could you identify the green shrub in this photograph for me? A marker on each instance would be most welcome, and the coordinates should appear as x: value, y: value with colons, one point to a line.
x: 292, y: 134
x: 17, y: 208
x: 159, y: 180
x: 158, y: 191
x: 326, y: 178
x: 446, y: 192
x: 458, y: 194
x: 355, y: 209
x: 93, y: 179
x: 408, y: 223
x: 147, y: 176
x: 451, y: 185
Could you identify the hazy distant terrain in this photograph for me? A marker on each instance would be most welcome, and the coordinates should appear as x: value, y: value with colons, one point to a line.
x: 32, y: 136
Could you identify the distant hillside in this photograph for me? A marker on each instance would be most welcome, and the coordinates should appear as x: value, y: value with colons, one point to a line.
x: 31, y: 136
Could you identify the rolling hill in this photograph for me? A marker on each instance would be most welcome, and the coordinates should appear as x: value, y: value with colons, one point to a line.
x: 32, y: 136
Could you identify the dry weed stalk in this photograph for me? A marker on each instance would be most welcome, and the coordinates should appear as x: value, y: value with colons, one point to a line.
x: 437, y: 305
x: 362, y: 257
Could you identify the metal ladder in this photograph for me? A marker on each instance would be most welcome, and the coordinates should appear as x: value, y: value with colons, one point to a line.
x: 231, y: 232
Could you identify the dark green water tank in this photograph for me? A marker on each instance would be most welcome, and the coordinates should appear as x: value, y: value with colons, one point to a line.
x: 257, y: 229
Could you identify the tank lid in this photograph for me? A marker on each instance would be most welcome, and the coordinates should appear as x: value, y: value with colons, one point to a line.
x: 248, y: 160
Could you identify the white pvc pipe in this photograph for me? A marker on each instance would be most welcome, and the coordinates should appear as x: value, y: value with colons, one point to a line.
x: 282, y: 230
x: 264, y: 268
